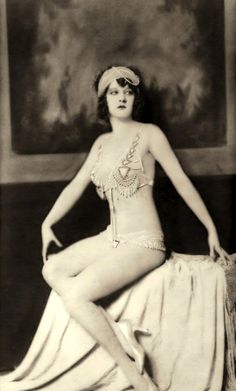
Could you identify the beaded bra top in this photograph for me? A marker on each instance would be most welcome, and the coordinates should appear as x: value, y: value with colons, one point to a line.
x: 126, y: 177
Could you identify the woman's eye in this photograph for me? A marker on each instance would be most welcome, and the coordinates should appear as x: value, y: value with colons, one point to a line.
x: 115, y: 92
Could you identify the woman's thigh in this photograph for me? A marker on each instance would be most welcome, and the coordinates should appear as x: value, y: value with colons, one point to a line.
x: 114, y: 269
x: 70, y: 261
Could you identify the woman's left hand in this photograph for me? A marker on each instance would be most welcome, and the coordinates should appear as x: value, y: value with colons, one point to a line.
x: 215, y: 247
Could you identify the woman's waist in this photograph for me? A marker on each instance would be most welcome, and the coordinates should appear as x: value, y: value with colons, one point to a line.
x: 133, y: 208
x: 127, y: 220
x: 129, y: 234
x: 135, y: 212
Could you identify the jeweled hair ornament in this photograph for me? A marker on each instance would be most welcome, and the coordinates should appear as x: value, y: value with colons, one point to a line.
x: 115, y: 73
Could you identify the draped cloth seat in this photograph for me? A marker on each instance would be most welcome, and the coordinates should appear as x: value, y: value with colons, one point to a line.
x: 185, y: 305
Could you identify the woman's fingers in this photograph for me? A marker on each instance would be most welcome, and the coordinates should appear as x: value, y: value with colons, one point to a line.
x: 58, y: 243
x: 222, y: 253
x: 44, y: 253
x: 226, y: 253
x: 48, y: 236
x: 45, y: 247
x: 217, y: 251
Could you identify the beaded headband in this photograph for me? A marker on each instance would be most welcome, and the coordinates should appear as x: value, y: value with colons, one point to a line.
x: 114, y: 73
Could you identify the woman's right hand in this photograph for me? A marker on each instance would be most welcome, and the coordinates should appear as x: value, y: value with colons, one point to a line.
x: 48, y: 236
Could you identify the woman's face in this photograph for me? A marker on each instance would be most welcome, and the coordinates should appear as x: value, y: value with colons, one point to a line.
x: 120, y: 100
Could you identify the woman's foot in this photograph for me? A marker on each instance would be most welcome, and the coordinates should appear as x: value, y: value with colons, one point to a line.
x: 125, y: 333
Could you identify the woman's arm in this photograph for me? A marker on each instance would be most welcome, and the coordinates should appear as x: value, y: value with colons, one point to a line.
x: 68, y: 197
x: 73, y: 191
x: 163, y: 153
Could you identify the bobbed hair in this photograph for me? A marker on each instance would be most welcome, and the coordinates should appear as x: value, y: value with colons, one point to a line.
x: 139, y: 97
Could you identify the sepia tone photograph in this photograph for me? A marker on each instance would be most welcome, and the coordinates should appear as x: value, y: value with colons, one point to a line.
x: 117, y: 172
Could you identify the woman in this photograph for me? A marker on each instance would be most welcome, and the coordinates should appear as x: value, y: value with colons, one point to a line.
x: 121, y: 165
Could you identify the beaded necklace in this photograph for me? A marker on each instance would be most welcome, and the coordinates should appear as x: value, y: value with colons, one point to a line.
x: 123, y: 177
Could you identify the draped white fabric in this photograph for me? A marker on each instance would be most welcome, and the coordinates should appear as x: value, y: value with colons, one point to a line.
x: 183, y: 305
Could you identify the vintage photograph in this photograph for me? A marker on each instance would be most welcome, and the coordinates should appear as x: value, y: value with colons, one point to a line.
x: 118, y: 163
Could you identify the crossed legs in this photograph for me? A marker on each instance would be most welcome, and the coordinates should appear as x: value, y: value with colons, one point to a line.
x: 92, y: 269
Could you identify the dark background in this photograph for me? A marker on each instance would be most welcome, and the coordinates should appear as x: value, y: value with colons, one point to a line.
x: 24, y: 206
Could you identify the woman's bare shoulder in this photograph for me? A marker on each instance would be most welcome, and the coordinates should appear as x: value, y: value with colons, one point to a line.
x: 150, y: 128
x: 100, y: 139
x: 152, y: 132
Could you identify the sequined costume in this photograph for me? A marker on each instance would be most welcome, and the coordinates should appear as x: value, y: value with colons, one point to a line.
x: 123, y: 181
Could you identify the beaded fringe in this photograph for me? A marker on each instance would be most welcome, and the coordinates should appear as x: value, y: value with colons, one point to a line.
x: 230, y: 359
x: 126, y: 187
x: 229, y: 268
x: 153, y: 244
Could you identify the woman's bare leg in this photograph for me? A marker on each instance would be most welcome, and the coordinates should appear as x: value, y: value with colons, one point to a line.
x: 118, y: 267
x: 73, y: 259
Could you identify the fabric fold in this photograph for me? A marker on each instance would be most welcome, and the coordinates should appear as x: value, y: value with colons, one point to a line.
x: 184, y: 305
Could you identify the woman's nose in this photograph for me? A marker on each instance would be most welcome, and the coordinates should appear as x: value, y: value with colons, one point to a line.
x: 122, y: 98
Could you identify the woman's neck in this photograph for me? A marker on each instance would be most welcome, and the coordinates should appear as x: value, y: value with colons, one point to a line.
x: 119, y: 126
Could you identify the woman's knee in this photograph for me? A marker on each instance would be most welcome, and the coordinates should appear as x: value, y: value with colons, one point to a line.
x: 51, y: 271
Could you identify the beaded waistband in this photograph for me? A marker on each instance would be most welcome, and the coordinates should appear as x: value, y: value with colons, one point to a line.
x: 145, y: 238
